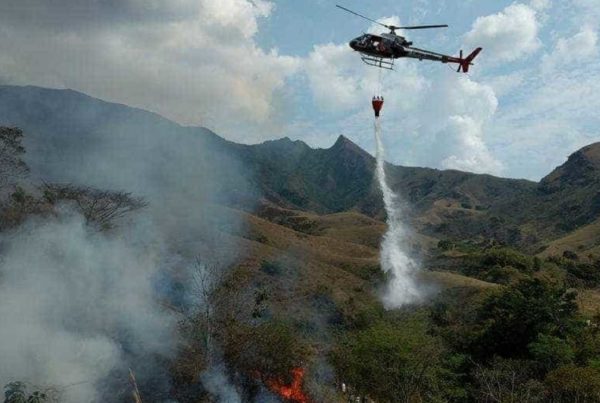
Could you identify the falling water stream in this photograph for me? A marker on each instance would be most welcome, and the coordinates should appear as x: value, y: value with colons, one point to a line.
x: 402, y: 287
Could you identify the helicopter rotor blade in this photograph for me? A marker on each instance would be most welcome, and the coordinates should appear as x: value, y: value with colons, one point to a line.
x: 422, y: 27
x: 362, y: 16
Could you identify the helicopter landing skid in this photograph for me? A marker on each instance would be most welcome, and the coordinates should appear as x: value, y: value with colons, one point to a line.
x: 378, y: 61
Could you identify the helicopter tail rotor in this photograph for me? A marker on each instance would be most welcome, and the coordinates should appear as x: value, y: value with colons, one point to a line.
x: 463, y: 64
x: 460, y: 57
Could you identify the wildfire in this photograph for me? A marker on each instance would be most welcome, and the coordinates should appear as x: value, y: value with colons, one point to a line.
x: 292, y: 392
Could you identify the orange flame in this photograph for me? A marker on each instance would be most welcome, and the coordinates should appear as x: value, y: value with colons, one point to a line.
x: 292, y: 392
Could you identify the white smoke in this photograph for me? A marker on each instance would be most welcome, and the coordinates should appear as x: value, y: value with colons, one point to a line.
x: 76, y: 304
x: 80, y: 307
x: 216, y: 381
x: 402, y: 287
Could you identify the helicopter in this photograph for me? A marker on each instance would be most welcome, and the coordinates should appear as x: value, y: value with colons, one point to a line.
x: 381, y: 50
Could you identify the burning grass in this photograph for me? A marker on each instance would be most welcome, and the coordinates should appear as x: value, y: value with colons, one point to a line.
x: 292, y: 392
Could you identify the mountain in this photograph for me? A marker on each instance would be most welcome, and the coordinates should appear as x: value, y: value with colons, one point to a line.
x: 280, y: 243
x: 73, y: 137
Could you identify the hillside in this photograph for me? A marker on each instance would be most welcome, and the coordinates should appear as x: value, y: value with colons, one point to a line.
x: 67, y: 130
x: 290, y: 237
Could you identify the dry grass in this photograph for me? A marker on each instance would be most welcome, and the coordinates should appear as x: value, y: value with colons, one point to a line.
x: 583, y: 241
x: 338, y: 260
x: 588, y: 301
x: 454, y: 280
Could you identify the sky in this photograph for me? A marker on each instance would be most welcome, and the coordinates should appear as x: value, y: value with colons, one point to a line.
x: 254, y: 70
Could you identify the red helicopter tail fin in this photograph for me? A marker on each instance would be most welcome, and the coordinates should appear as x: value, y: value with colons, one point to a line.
x: 467, y: 61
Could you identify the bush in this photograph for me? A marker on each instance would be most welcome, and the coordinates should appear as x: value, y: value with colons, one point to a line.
x: 16, y: 392
x: 568, y: 254
x: 508, y: 381
x: 390, y: 363
x: 506, y: 257
x: 509, y: 321
x: 445, y: 245
x: 574, y: 384
x: 12, y: 166
x: 551, y: 352
x: 271, y: 268
x: 267, y: 351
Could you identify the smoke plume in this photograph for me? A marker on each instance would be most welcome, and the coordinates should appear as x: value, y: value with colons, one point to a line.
x: 79, y: 306
x: 402, y: 287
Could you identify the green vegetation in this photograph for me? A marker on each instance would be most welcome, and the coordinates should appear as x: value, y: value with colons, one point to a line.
x: 16, y: 392
x: 525, y: 341
x: 267, y: 351
x: 388, y: 362
x: 271, y: 268
x: 307, y: 293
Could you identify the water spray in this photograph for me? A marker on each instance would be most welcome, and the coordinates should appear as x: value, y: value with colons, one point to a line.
x: 402, y: 288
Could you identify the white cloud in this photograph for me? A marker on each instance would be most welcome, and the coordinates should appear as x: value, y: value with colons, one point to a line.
x: 507, y: 35
x: 341, y: 82
x: 588, y: 12
x: 540, y: 5
x: 422, y: 115
x: 507, y: 83
x: 333, y: 74
x: 463, y: 141
x: 555, y: 111
x: 456, y: 115
x: 193, y: 61
x: 575, y: 49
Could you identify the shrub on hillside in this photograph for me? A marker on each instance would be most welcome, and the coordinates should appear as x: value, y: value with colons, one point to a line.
x: 574, y: 384
x: 16, y: 392
x: 388, y: 362
x: 506, y: 380
x: 268, y: 351
x: 12, y: 166
x: 507, y: 322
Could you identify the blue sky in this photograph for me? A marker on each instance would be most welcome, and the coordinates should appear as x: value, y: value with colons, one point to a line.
x: 536, y: 82
x: 254, y: 70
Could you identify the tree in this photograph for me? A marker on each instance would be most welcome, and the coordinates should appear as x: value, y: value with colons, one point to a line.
x: 12, y: 166
x: 16, y: 392
x: 390, y: 363
x: 507, y: 322
x: 99, y: 207
x: 551, y: 352
x: 207, y: 277
x: 269, y: 351
x: 507, y: 380
x: 574, y: 384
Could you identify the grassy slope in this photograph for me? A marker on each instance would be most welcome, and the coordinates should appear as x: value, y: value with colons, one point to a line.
x: 584, y: 241
x: 338, y: 260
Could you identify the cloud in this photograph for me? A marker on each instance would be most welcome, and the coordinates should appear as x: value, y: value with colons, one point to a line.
x: 419, y: 111
x: 333, y: 76
x: 340, y: 82
x: 463, y: 140
x: 576, y: 49
x: 588, y: 12
x: 508, y: 35
x: 555, y: 111
x: 540, y: 5
x: 193, y: 61
x: 457, y: 117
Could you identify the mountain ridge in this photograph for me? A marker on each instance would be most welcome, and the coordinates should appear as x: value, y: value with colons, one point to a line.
x: 291, y: 175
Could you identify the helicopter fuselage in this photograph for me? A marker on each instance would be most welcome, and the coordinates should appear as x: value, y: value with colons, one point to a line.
x: 381, y: 50
x: 387, y: 46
